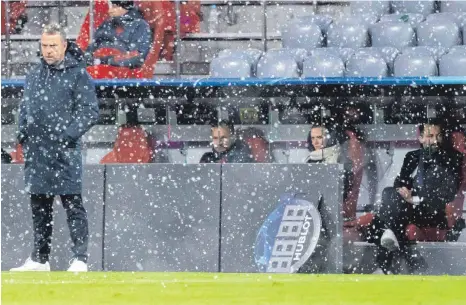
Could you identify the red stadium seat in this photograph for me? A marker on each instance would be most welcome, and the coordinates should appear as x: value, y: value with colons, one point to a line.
x: 131, y: 146
x: 17, y: 156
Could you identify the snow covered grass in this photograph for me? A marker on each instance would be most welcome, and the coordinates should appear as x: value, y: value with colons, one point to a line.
x: 224, y: 289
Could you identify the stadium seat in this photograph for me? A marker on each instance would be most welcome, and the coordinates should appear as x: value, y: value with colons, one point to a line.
x: 322, y: 20
x: 392, y: 34
x: 230, y: 67
x: 438, y: 33
x: 458, y: 18
x: 415, y: 64
x: 278, y: 65
x: 453, y: 6
x: 323, y: 65
x: 435, y: 52
x: 348, y: 34
x: 388, y: 54
x: 453, y: 63
x: 343, y: 53
x: 131, y: 146
x: 302, y: 34
x: 17, y: 155
x: 377, y: 8
x: 252, y: 56
x: 298, y: 54
x: 413, y: 19
x: 367, y: 64
x: 17, y: 16
x: 417, y: 7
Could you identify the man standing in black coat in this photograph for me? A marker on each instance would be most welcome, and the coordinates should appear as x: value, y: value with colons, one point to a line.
x: 428, y: 180
x: 59, y: 105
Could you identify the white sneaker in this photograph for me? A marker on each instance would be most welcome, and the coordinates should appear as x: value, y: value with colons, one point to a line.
x: 77, y: 266
x: 389, y: 240
x: 30, y: 265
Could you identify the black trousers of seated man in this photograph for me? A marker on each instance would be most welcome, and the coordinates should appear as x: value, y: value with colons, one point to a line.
x: 42, y: 217
x: 396, y: 214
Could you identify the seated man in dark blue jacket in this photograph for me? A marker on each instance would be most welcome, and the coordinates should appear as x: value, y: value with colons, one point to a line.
x: 124, y: 40
x: 225, y: 147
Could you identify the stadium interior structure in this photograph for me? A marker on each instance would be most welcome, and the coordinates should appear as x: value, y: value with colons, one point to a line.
x: 278, y: 67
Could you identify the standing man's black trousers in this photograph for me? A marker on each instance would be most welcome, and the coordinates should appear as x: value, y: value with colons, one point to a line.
x: 42, y: 217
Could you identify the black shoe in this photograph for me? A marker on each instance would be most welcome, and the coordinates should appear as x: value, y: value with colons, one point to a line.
x: 416, y: 263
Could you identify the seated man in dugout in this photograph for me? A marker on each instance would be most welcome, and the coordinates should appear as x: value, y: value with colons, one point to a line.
x: 344, y: 147
x: 428, y: 181
x: 124, y: 40
x: 226, y: 148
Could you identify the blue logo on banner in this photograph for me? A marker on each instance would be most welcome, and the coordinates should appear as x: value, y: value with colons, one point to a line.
x: 289, y: 235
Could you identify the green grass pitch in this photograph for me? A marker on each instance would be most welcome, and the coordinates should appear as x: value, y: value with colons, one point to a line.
x: 225, y: 289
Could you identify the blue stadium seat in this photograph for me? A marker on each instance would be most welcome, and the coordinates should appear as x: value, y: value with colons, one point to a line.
x: 436, y: 53
x: 415, y: 64
x: 278, y: 64
x: 413, y: 19
x: 460, y: 49
x: 453, y: 63
x: 418, y: 7
x: 323, y: 65
x: 230, y: 67
x: 392, y: 34
x: 301, y: 33
x: 350, y: 33
x: 453, y: 6
x: 387, y: 53
x: 365, y: 63
x: 377, y: 8
x: 343, y: 53
x: 438, y: 33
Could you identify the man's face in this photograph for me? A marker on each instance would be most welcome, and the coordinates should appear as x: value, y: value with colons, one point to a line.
x: 115, y: 10
x: 53, y: 48
x: 431, y: 137
x: 221, y: 139
x: 317, y: 138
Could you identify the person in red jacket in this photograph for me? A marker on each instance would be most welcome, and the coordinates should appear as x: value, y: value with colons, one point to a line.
x: 17, y: 17
x: 123, y: 40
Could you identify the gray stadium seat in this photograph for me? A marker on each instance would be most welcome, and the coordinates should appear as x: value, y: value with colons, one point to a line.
x: 436, y: 53
x: 322, y: 20
x: 392, y: 34
x: 230, y: 67
x: 368, y: 64
x: 418, y: 7
x: 453, y: 63
x: 413, y: 19
x: 277, y: 65
x: 251, y: 55
x: 370, y: 7
x: 458, y: 18
x: 323, y: 65
x: 438, y: 33
x: 388, y: 54
x: 301, y: 33
x: 460, y: 49
x: 343, y: 53
x: 348, y: 34
x: 298, y: 54
x: 453, y: 6
x: 415, y: 64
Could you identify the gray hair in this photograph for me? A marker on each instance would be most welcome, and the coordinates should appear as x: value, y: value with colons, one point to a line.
x: 54, y: 28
